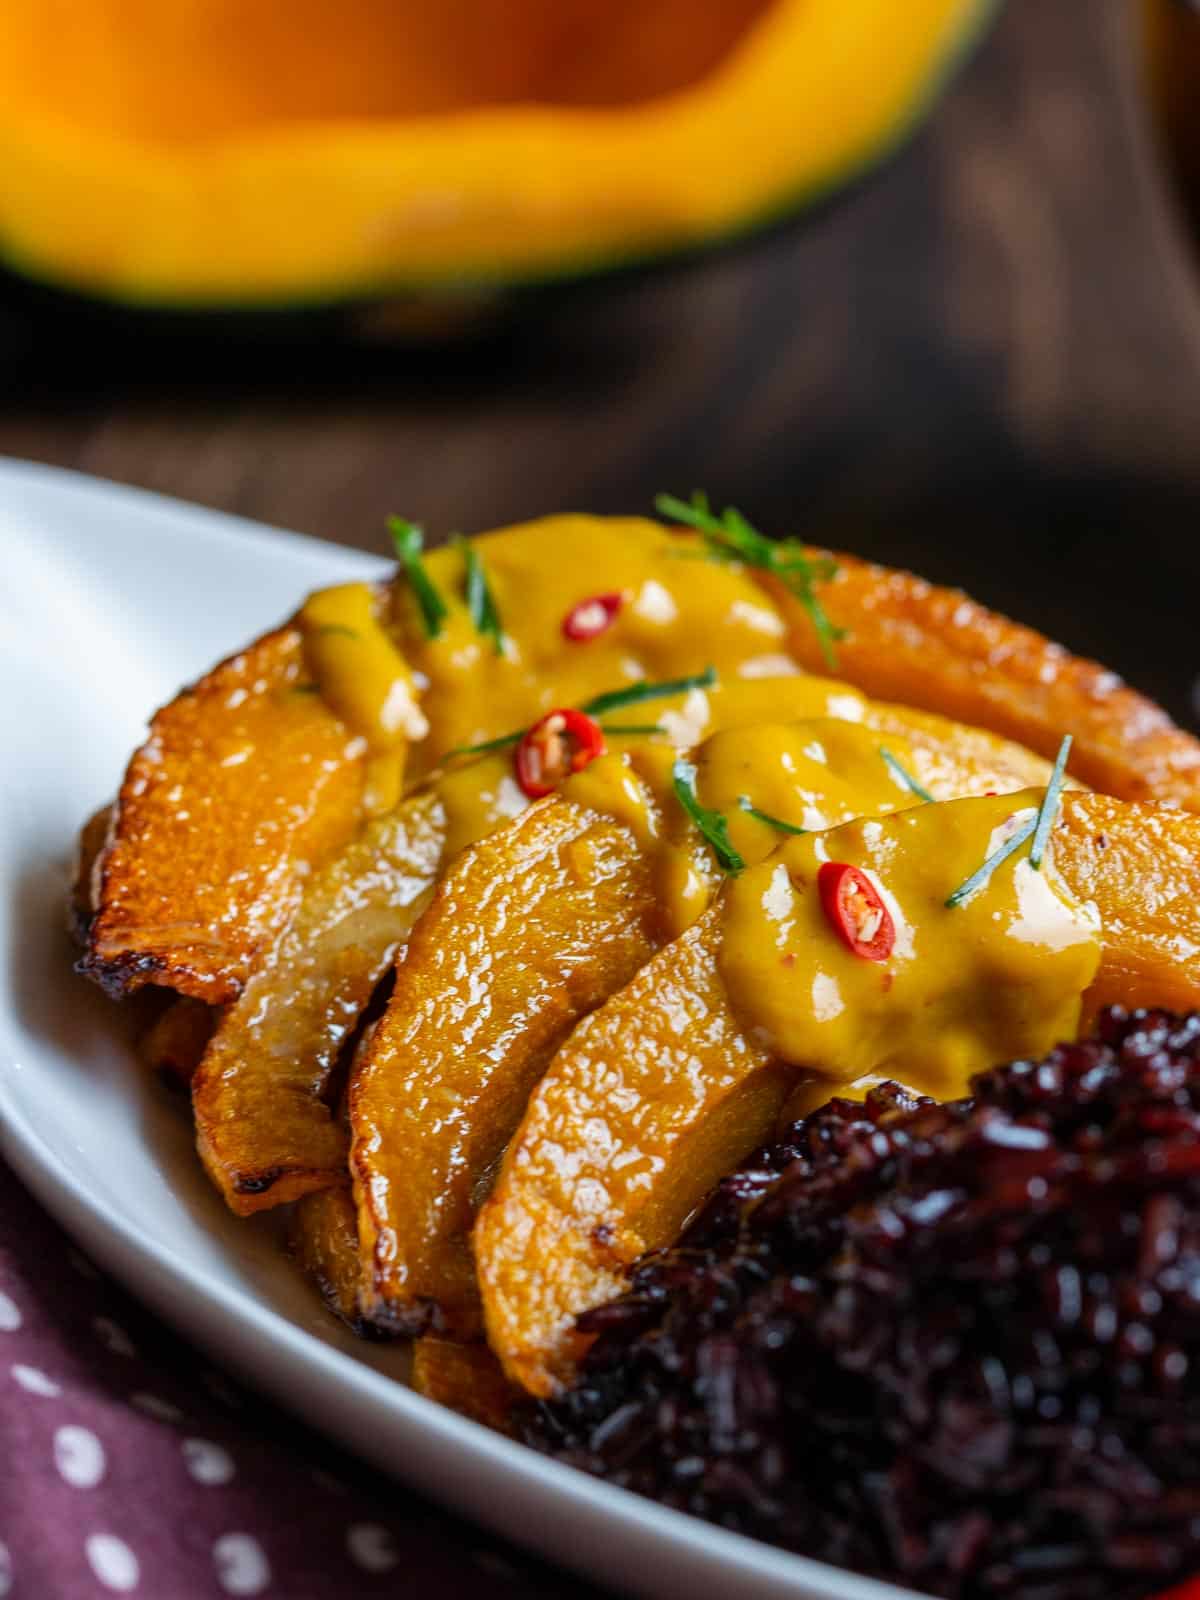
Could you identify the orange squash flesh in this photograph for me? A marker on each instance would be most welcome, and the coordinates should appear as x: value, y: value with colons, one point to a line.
x: 936, y: 649
x: 81, y: 904
x: 257, y: 64
x: 243, y: 785
x: 260, y: 153
x: 665, y: 1070
x: 177, y: 1038
x: 323, y: 1238
x: 465, y: 1377
x: 263, y: 1128
x: 529, y: 930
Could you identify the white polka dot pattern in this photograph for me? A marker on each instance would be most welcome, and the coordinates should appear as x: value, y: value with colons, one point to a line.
x: 79, y: 1456
x: 113, y: 1562
x: 241, y: 1564
x: 207, y: 1462
x: 146, y: 1474
x: 35, y: 1382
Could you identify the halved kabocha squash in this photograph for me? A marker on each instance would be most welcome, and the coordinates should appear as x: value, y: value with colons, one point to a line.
x: 261, y: 154
x: 674, y: 1081
x: 540, y: 922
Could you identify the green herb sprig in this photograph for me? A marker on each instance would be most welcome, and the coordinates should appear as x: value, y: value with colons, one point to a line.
x: 1036, y: 828
x: 481, y: 602
x: 981, y: 877
x: 906, y: 777
x: 636, y: 693
x: 751, y: 810
x: 504, y: 742
x: 730, y: 537
x: 409, y: 540
x: 1049, y: 806
x: 610, y: 700
x: 712, y: 824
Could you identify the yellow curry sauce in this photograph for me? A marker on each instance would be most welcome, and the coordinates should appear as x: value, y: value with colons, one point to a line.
x: 678, y: 614
x: 999, y: 977
x: 365, y: 679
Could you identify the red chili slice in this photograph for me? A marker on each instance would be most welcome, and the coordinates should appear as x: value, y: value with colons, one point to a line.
x: 852, y: 903
x: 591, y: 617
x: 561, y: 743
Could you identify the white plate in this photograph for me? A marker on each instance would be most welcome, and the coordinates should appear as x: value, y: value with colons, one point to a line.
x: 111, y: 598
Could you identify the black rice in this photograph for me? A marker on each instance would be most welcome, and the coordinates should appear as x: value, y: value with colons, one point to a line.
x: 956, y: 1345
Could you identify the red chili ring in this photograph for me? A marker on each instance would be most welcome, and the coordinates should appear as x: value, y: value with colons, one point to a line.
x: 591, y: 617
x: 857, y: 913
x: 561, y: 743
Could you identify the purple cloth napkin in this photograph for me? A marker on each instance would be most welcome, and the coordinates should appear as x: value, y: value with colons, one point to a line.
x: 129, y: 1466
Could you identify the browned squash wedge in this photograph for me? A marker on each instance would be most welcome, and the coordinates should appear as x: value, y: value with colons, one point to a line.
x: 264, y: 1129
x: 936, y: 649
x: 662, y: 1090
x: 467, y: 1378
x: 243, y: 786
x: 528, y: 931
x: 323, y: 1239
x: 81, y: 904
x: 177, y: 1038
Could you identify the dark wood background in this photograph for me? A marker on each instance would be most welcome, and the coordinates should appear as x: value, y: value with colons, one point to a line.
x: 985, y: 364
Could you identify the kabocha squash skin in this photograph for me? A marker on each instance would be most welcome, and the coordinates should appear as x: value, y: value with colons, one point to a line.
x: 351, y: 185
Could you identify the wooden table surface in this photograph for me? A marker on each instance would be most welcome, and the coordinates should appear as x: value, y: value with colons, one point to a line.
x: 984, y: 364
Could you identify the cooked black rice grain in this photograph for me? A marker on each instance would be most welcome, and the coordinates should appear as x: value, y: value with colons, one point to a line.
x: 954, y: 1345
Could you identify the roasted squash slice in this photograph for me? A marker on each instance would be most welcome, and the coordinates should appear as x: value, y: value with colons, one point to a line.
x: 176, y: 1040
x: 262, y: 154
x: 83, y: 898
x: 467, y: 1378
x: 264, y: 1129
x: 243, y: 785
x: 323, y: 1239
x: 662, y: 1090
x: 909, y: 641
x: 530, y: 929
